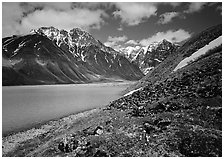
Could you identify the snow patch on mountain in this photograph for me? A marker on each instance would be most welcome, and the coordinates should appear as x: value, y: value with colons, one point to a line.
x: 157, y: 60
x: 131, y: 92
x: 13, y: 62
x: 119, y: 62
x: 201, y: 51
x: 146, y: 70
x: 83, y: 58
x: 95, y: 58
x: 106, y: 59
x: 40, y: 62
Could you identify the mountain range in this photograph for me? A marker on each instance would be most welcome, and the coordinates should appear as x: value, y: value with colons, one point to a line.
x: 51, y: 56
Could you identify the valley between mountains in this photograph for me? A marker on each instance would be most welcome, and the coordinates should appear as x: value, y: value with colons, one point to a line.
x: 172, y: 109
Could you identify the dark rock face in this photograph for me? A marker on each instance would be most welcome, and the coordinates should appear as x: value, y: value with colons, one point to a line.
x: 50, y: 56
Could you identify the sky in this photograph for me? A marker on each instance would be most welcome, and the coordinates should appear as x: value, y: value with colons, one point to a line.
x: 115, y: 24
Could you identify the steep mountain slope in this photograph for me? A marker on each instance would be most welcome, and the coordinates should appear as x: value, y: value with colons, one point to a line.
x: 36, y: 60
x: 173, y: 113
x: 187, y: 49
x: 53, y: 59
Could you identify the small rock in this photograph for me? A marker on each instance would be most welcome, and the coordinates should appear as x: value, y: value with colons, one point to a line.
x: 98, y: 130
x: 163, y: 124
x: 67, y: 148
x: 61, y: 146
x: 100, y: 153
x: 149, y: 128
x: 74, y: 144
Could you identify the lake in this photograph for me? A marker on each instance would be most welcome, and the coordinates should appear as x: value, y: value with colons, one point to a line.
x: 25, y: 106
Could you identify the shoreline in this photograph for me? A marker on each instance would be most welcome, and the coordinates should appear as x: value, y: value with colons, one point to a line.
x: 11, y: 141
x: 38, y: 125
x: 73, y: 84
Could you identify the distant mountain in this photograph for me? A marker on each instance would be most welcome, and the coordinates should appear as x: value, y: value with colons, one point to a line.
x: 52, y: 56
x: 185, y: 51
x: 130, y: 51
x: 150, y: 56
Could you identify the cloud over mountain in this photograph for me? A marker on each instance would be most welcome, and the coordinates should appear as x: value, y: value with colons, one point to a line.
x: 170, y: 35
x: 114, y: 41
x: 133, y: 42
x: 26, y: 16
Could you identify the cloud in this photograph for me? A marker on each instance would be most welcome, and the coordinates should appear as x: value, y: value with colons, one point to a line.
x: 117, y: 38
x: 113, y: 45
x: 115, y: 42
x: 11, y: 15
x: 92, y: 5
x: 167, y: 17
x: 195, y: 7
x: 133, y: 42
x: 134, y: 13
x: 48, y: 5
x: 63, y: 19
x: 170, y: 35
x: 20, y: 18
x: 173, y: 4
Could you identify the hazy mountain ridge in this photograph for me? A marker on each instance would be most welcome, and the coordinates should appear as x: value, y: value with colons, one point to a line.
x: 150, y: 56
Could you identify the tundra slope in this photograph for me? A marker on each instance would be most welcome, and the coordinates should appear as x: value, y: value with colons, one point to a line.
x: 176, y: 114
x: 52, y: 56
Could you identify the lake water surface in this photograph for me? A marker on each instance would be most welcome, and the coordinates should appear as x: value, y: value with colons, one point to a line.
x: 24, y: 106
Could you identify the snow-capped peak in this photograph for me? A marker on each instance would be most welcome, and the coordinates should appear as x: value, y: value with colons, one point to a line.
x: 75, y: 39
